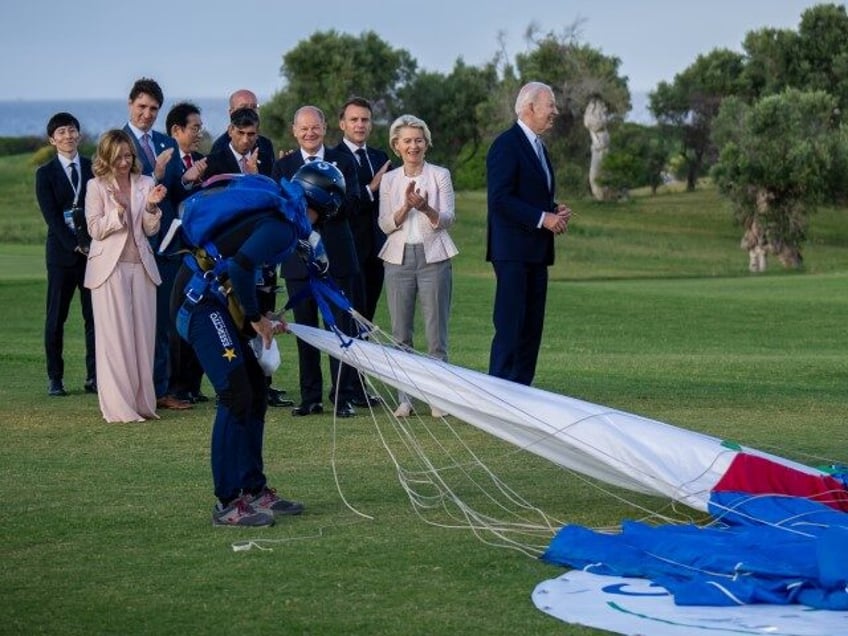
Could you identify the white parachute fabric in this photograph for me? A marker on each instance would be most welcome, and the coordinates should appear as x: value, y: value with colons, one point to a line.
x: 612, y: 446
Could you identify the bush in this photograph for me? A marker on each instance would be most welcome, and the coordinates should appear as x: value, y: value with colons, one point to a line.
x: 19, y: 145
x: 42, y: 155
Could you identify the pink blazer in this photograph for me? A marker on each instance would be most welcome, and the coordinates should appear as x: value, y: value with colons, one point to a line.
x: 109, y: 232
x: 436, y: 182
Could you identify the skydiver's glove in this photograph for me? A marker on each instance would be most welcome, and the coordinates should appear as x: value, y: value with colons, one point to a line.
x: 313, y: 254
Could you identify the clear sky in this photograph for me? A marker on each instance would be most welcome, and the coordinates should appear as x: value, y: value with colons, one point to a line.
x: 97, y: 48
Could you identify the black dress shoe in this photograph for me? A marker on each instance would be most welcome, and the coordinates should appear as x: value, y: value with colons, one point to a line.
x: 90, y: 386
x: 310, y: 408
x: 275, y: 398
x: 56, y: 389
x: 345, y: 410
x: 199, y: 397
x: 367, y: 400
x: 277, y: 391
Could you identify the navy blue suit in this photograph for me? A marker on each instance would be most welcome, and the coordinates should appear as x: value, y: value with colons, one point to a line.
x: 519, y: 251
x: 167, y: 265
x: 65, y: 265
x: 344, y: 269
x: 367, y: 235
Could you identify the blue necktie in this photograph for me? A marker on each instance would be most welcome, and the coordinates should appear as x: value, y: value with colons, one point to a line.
x: 540, y: 153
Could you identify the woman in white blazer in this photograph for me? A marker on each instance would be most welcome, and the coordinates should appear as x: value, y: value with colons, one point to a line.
x: 416, y: 210
x: 121, y: 210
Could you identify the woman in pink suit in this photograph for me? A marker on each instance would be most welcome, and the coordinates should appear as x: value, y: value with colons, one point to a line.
x: 121, y: 209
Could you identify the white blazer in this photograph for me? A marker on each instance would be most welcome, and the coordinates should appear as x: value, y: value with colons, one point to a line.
x: 436, y: 182
x: 109, y: 232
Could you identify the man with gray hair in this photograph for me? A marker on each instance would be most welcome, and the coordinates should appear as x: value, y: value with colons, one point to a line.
x: 523, y: 219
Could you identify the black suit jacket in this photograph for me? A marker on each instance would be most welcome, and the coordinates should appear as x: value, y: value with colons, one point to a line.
x: 266, y: 152
x: 518, y: 193
x: 367, y: 235
x: 55, y: 195
x: 338, y: 239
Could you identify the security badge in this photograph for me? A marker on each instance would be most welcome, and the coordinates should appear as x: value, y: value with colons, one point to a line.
x: 223, y: 335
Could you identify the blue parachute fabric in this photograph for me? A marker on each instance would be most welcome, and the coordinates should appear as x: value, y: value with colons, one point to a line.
x: 212, y: 209
x: 795, y: 552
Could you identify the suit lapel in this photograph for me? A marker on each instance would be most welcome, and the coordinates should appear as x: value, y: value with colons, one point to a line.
x: 62, y: 181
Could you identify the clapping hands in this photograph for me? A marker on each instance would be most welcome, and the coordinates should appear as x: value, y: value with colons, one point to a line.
x: 196, y: 172
x: 414, y: 198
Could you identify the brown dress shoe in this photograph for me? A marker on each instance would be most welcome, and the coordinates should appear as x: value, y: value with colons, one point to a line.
x: 171, y: 402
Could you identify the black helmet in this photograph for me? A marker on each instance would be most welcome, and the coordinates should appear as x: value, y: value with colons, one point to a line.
x: 324, y: 186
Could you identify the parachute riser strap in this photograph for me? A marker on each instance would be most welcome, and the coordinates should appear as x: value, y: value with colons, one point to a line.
x: 325, y: 293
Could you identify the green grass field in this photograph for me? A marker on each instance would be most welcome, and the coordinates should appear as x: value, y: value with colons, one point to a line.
x: 106, y: 528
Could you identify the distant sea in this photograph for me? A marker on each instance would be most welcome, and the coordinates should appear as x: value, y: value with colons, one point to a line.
x: 20, y: 118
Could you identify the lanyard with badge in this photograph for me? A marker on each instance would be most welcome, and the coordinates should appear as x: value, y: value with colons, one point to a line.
x: 75, y: 216
x: 69, y: 214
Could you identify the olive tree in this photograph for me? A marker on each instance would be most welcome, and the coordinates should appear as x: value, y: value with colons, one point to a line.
x: 776, y: 166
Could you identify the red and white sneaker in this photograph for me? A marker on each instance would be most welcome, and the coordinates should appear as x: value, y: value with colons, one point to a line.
x: 241, y: 513
x: 267, y: 501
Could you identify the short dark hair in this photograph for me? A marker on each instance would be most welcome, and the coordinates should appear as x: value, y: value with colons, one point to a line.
x: 179, y: 114
x: 356, y: 101
x: 149, y: 87
x: 244, y: 117
x: 61, y: 119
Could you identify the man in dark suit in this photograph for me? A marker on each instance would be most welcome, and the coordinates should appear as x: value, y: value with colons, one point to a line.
x: 159, y: 159
x: 185, y: 125
x: 244, y: 98
x: 240, y: 154
x: 308, y: 128
x: 60, y: 186
x: 355, y: 122
x: 523, y: 219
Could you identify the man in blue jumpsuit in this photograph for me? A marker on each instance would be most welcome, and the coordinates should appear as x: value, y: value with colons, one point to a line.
x: 245, y: 241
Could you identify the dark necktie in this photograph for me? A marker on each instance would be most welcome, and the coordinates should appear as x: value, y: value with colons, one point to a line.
x: 364, y: 166
x: 147, y: 149
x: 311, y: 158
x: 74, y: 177
x: 187, y: 161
